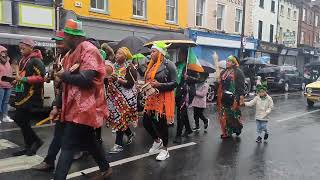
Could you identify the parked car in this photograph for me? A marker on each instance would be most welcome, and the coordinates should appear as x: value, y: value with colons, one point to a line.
x: 312, y: 93
x: 282, y: 78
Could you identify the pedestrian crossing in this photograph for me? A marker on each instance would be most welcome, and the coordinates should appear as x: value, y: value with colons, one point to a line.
x: 18, y: 163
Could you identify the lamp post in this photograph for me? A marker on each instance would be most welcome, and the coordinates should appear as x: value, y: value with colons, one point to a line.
x: 242, y: 29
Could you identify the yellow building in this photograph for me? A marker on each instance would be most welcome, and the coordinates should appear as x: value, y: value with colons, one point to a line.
x: 113, y: 20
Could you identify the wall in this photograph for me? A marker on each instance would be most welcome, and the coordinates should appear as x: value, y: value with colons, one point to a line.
x: 121, y: 11
x: 229, y: 21
x: 290, y: 24
x: 265, y: 15
x: 306, y: 26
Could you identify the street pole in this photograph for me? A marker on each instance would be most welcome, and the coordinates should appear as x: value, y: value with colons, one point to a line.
x: 242, y: 30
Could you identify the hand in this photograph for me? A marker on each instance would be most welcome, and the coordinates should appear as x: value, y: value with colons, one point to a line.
x: 155, y: 84
x: 59, y: 73
x: 241, y: 100
x: 54, y: 113
x: 74, y: 67
x: 121, y: 81
x: 14, y: 82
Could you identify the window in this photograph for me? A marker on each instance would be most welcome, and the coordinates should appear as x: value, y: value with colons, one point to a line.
x: 304, y: 15
x: 139, y: 8
x: 238, y: 20
x: 294, y: 15
x: 100, y: 6
x: 310, y: 18
x: 261, y: 3
x: 280, y: 34
x: 200, y: 12
x: 172, y: 11
x: 302, y: 38
x: 271, y: 33
x: 282, y: 10
x: 260, y: 30
x: 289, y: 13
x: 316, y: 21
x: 273, y: 6
x: 220, y: 17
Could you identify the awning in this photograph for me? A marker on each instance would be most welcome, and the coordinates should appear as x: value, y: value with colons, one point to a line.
x: 293, y: 53
x: 14, y: 39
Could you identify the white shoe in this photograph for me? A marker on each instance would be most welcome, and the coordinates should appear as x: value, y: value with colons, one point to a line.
x: 7, y: 119
x: 116, y: 149
x: 163, y: 155
x: 156, y: 146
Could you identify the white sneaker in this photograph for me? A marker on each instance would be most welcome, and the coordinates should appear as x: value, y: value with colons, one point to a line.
x: 163, y: 155
x: 7, y: 119
x: 116, y: 149
x: 156, y: 146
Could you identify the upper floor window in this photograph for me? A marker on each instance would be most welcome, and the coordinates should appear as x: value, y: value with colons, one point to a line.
x: 302, y: 38
x: 316, y: 21
x: 220, y: 17
x: 261, y: 3
x: 273, y: 6
x: 289, y: 13
x: 238, y: 20
x: 100, y: 6
x: 139, y: 8
x: 295, y: 15
x: 172, y: 10
x: 304, y: 15
x: 200, y: 12
x: 282, y: 10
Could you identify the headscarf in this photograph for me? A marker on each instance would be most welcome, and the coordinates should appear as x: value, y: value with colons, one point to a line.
x: 126, y: 51
x: 233, y: 60
x: 161, y: 46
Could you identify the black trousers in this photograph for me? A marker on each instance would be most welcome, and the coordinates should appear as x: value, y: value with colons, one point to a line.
x: 198, y: 114
x: 183, y: 120
x: 77, y: 138
x: 56, y: 142
x: 119, y: 136
x: 22, y: 119
x: 157, y: 128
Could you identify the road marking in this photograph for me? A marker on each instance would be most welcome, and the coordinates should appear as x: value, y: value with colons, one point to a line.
x: 296, y: 116
x: 19, y: 163
x: 126, y: 160
x: 33, y: 127
x: 5, y: 144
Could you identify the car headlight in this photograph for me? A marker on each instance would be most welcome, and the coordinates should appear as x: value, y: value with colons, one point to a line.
x: 309, y: 90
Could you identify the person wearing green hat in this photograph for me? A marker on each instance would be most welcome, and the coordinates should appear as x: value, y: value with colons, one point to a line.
x: 159, y: 108
x: 264, y: 105
x: 83, y: 101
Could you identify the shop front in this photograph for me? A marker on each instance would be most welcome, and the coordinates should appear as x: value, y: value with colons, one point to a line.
x: 269, y: 52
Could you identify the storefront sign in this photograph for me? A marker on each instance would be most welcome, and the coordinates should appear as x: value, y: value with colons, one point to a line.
x: 45, y: 44
x: 36, y: 16
x: 289, y: 38
x: 268, y: 47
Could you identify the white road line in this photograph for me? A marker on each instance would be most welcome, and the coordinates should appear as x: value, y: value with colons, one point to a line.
x: 299, y: 115
x: 34, y: 127
x: 19, y: 163
x: 5, y: 144
x: 126, y: 160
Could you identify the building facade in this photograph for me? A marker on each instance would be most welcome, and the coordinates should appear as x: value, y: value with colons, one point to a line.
x: 113, y: 20
x: 216, y: 26
x: 20, y: 19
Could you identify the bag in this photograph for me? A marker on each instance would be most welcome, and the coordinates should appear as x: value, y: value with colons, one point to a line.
x: 144, y: 91
x: 228, y: 98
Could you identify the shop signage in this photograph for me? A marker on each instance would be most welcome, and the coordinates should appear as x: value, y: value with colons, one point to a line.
x: 36, y: 16
x: 268, y: 47
x: 289, y: 38
x: 237, y: 2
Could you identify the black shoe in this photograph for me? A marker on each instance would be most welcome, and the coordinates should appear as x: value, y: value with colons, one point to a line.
x: 259, y: 139
x: 206, y: 125
x: 130, y: 138
x: 196, y: 129
x: 178, y: 140
x: 20, y: 153
x: 266, y: 136
x: 187, y: 133
x: 34, y: 148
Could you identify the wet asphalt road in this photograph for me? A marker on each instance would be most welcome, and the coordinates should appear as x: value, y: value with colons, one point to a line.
x: 292, y: 152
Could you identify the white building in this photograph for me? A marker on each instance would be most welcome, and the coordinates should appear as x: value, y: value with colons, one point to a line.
x: 264, y: 18
x: 288, y: 23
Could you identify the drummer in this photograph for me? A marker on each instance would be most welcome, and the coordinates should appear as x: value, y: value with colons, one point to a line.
x: 159, y: 108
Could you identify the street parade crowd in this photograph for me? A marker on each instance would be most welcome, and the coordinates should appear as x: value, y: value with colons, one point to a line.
x: 95, y: 87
